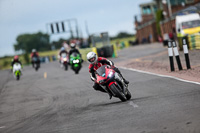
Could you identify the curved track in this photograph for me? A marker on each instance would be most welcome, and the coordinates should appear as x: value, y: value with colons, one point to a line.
x: 64, y: 102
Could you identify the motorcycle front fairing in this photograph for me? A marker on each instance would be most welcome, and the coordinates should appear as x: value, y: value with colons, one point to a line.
x: 64, y: 58
x: 75, y: 59
x: 105, y: 75
x: 17, y: 69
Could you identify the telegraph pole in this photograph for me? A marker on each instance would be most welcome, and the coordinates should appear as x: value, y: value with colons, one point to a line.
x: 86, y: 28
x: 169, y: 8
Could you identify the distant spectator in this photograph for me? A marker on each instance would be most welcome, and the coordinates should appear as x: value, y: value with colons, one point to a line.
x: 171, y: 36
x: 85, y: 43
x: 81, y: 43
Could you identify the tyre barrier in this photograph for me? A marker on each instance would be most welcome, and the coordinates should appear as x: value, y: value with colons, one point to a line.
x: 193, y: 41
x: 106, y: 51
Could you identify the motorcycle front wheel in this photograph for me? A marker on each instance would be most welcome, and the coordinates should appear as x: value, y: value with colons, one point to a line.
x: 18, y: 77
x: 128, y: 95
x: 66, y: 67
x: 116, y: 90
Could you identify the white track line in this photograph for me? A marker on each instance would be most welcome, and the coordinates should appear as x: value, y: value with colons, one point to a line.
x: 2, y: 127
x: 198, y: 83
x: 133, y: 104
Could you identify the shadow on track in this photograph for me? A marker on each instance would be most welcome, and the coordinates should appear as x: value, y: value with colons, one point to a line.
x: 119, y: 102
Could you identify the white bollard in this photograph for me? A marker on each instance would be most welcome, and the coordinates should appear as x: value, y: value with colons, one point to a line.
x: 170, y: 53
x: 185, y: 48
x: 177, y: 55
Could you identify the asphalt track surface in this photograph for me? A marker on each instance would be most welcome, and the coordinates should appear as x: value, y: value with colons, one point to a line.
x: 66, y: 103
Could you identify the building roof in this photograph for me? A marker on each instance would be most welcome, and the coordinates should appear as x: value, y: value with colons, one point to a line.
x: 190, y: 9
x: 146, y: 4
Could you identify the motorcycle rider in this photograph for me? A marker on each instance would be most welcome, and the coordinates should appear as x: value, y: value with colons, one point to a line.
x: 73, y: 49
x: 35, y: 54
x: 15, y: 60
x: 62, y: 50
x: 95, y: 63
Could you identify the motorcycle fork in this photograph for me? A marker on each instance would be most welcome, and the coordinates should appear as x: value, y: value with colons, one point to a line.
x: 106, y: 89
x: 119, y: 79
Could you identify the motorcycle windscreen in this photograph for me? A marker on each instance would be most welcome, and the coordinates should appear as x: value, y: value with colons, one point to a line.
x: 101, y: 71
x: 75, y: 54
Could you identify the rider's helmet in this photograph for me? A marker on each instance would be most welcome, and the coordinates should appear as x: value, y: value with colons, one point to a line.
x: 92, y: 57
x: 34, y: 50
x: 16, y: 58
x: 62, y: 49
x: 72, y: 45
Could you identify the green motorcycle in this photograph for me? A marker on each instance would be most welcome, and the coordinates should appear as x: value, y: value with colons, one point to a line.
x: 75, y: 62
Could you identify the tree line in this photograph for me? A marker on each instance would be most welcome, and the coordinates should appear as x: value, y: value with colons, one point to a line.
x: 41, y: 42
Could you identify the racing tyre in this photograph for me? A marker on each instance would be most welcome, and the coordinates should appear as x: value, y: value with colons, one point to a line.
x: 117, y: 92
x: 18, y: 77
x: 66, y: 67
x: 128, y: 95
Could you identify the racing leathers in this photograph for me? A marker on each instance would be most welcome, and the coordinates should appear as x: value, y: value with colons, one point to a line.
x: 15, y: 61
x: 63, y: 51
x: 73, y: 50
x: 35, y: 54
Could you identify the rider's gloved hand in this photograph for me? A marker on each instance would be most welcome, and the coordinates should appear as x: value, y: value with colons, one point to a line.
x: 95, y: 81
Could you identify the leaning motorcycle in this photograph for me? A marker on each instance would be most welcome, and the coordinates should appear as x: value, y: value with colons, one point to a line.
x: 36, y: 62
x: 75, y: 62
x: 112, y: 83
x: 64, y: 61
x: 17, y: 70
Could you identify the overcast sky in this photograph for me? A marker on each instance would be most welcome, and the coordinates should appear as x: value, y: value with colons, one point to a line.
x: 31, y: 16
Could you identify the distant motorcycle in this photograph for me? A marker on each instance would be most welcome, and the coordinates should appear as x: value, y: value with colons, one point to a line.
x: 64, y: 61
x: 75, y: 62
x: 17, y: 70
x: 36, y: 62
x: 112, y: 83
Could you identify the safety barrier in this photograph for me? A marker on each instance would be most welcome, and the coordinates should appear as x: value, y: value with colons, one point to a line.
x: 194, y: 41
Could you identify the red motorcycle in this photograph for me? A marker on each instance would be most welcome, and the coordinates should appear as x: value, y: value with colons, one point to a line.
x: 112, y: 83
x: 64, y: 61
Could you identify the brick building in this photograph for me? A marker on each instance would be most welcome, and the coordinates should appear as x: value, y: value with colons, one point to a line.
x: 146, y: 28
x: 147, y: 31
x: 167, y: 24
